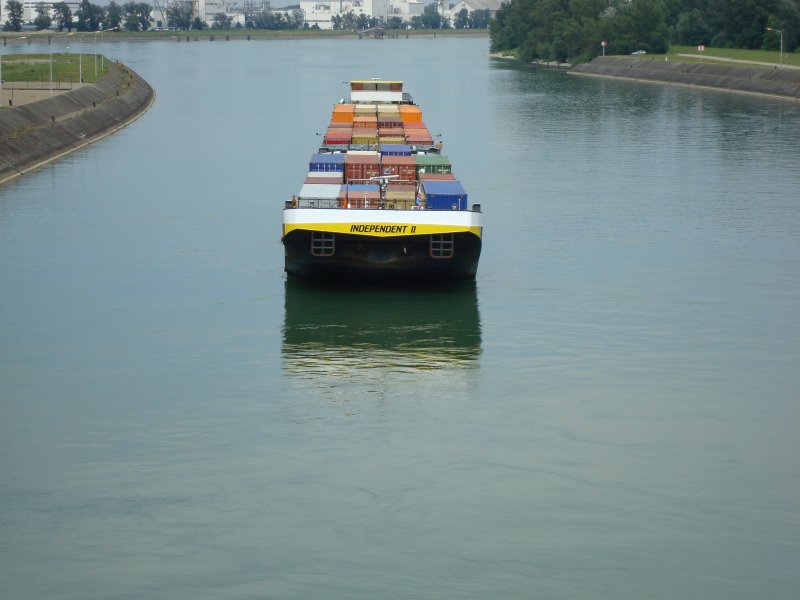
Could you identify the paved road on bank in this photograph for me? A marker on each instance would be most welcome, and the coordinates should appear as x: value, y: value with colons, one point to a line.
x: 738, y: 60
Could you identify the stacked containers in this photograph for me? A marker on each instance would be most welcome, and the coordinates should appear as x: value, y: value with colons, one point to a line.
x: 390, y: 124
x: 361, y: 165
x: 338, y: 136
x: 397, y: 128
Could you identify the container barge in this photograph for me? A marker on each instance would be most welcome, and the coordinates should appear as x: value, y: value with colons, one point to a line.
x: 380, y: 202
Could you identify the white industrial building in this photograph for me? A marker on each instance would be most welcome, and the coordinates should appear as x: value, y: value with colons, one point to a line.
x: 321, y: 12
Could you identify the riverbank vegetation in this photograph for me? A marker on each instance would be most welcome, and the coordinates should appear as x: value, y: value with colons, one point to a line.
x: 66, y: 68
x: 575, y: 30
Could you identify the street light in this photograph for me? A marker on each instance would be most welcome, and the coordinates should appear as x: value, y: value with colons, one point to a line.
x: 103, y: 47
x: 50, y: 46
x: 781, y: 34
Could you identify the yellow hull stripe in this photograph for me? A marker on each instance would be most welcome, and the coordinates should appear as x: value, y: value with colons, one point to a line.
x: 381, y: 229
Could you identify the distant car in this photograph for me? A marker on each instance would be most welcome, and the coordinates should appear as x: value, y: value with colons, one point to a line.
x: 639, y: 52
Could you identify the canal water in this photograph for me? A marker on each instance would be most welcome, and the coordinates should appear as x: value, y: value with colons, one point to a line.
x: 610, y: 411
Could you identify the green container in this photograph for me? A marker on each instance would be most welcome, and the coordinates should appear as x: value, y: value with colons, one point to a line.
x: 432, y: 163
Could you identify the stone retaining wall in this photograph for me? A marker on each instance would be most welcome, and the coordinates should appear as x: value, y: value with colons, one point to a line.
x: 34, y: 134
x: 777, y: 82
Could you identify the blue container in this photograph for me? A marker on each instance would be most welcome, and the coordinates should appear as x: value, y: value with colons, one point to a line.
x: 444, y: 195
x: 326, y: 162
x: 395, y: 150
x: 361, y: 187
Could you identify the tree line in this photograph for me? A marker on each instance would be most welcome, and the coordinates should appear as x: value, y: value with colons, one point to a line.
x: 131, y: 16
x: 573, y: 30
x: 136, y: 16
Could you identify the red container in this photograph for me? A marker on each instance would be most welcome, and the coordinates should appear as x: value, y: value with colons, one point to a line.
x: 437, y: 177
x: 361, y: 166
x: 402, y: 166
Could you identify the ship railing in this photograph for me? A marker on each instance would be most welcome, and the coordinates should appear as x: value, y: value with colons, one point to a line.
x: 410, y: 202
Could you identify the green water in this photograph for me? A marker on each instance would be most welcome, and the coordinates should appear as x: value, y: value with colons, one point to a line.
x: 611, y: 411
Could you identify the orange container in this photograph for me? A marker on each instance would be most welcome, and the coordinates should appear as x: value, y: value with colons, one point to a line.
x: 343, y: 113
x: 410, y: 113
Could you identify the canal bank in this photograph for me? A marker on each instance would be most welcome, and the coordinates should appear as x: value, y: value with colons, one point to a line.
x: 784, y: 82
x: 34, y: 134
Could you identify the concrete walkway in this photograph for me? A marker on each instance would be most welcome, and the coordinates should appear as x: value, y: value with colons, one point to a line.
x: 738, y: 60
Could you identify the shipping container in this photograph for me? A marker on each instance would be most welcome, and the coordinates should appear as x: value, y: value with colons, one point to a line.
x: 410, y: 113
x: 365, y: 139
x: 390, y: 122
x: 361, y: 166
x: 432, y: 163
x: 395, y: 150
x: 338, y: 136
x: 327, y: 162
x: 402, y: 166
x: 365, y: 123
x: 391, y: 140
x: 437, y: 176
x: 366, y: 110
x: 319, y: 195
x: 444, y: 195
x: 400, y: 199
x: 328, y: 177
x: 343, y: 113
x: 359, y: 196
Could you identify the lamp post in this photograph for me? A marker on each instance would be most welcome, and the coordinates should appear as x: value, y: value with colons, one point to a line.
x: 102, y: 47
x: 778, y: 31
x: 50, y: 46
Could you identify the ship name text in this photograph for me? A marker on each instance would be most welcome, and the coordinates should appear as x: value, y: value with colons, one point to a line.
x: 390, y: 229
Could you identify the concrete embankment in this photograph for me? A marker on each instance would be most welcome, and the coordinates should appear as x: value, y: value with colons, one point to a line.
x: 40, y: 132
x: 775, y: 82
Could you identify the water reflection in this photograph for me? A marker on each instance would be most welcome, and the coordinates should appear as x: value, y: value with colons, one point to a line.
x: 341, y: 332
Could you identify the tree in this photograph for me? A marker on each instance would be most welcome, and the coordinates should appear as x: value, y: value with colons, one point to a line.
x: 640, y: 25
x: 479, y: 19
x: 430, y: 18
x: 131, y: 22
x: 461, y: 20
x: 297, y: 18
x: 198, y: 24
x: 90, y: 16
x: 63, y: 15
x: 137, y: 16
x: 14, y: 22
x: 691, y: 28
x: 114, y: 15
x: 222, y: 21
x: 179, y: 15
x: 43, y: 19
x: 394, y: 23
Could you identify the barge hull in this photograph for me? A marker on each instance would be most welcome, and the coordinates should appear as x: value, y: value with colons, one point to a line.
x: 398, y: 259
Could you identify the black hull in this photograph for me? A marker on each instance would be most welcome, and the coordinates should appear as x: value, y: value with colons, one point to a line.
x: 390, y: 260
